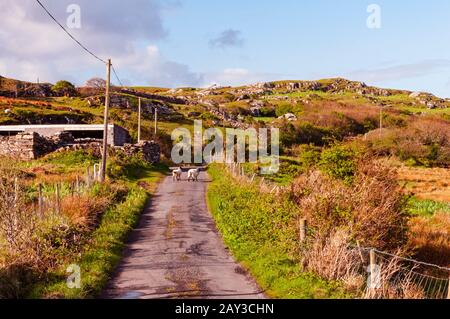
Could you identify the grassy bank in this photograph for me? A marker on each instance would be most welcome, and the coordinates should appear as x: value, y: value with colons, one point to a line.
x: 101, y: 255
x: 88, y: 231
x: 262, y: 234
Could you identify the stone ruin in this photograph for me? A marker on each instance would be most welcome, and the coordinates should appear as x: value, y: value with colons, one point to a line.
x: 26, y: 146
x: 31, y: 145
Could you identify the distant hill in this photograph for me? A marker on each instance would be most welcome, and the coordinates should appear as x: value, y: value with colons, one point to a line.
x: 16, y: 88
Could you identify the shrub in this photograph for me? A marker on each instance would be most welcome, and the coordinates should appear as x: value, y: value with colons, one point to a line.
x: 304, y: 133
x: 339, y: 162
x: 429, y: 237
x: 371, y: 209
x: 332, y: 259
x: 83, y: 210
x: 267, y: 111
x: 18, y: 223
x: 308, y: 155
x: 423, y: 142
x: 64, y: 88
x: 285, y: 108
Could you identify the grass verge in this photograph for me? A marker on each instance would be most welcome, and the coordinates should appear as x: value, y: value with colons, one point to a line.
x: 101, y: 254
x: 261, y: 233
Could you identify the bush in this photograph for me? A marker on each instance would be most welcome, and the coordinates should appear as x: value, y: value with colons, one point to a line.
x: 304, y: 133
x: 261, y: 231
x: 339, y: 162
x: 285, y: 108
x: 64, y: 88
x: 122, y: 166
x: 430, y: 238
x: 308, y: 155
x: 424, y: 142
x: 371, y: 210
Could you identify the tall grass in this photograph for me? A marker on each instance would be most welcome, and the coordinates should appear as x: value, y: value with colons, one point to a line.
x: 99, y: 256
x: 261, y: 231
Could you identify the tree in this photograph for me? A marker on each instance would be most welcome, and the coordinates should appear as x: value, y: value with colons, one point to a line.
x: 95, y: 83
x: 64, y: 88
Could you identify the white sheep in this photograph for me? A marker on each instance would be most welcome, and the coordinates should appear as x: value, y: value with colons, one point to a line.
x: 193, y: 174
x: 176, y: 174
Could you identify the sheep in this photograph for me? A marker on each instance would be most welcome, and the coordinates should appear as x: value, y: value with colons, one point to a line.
x: 176, y: 175
x: 193, y: 175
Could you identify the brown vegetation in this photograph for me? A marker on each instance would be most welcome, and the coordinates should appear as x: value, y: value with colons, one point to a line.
x: 430, y: 238
x: 371, y: 209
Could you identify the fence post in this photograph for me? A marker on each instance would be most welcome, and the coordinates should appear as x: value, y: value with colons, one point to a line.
x: 448, y: 288
x: 72, y: 188
x: 40, y: 200
x: 303, y: 229
x: 16, y: 191
x: 88, y: 176
x: 78, y: 185
x: 96, y: 173
x: 58, y: 198
x: 373, y: 262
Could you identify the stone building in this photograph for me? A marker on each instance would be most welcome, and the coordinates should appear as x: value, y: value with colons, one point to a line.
x: 117, y: 136
x: 27, y: 142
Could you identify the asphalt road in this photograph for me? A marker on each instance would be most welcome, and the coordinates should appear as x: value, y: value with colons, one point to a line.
x: 176, y: 251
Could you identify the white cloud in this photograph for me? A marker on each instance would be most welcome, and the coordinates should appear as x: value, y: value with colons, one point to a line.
x: 226, y: 39
x: 32, y: 45
x: 402, y: 71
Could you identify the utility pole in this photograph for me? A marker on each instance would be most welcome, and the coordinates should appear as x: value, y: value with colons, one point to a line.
x: 105, y: 122
x: 156, y: 121
x: 381, y: 120
x: 139, y: 120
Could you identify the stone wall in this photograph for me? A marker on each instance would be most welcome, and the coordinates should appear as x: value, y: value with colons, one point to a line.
x: 29, y: 146
x: 150, y: 150
x: 26, y: 146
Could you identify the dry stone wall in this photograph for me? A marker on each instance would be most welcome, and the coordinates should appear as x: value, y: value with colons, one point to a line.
x: 26, y: 146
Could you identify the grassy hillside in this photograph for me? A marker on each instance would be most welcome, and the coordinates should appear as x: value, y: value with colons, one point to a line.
x: 329, y: 127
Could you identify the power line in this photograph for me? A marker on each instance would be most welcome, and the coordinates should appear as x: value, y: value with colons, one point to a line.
x: 69, y: 34
x: 115, y: 74
x: 78, y: 42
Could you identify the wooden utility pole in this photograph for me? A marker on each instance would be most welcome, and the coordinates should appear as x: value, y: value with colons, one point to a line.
x: 139, y: 120
x: 156, y: 121
x: 105, y: 122
x: 381, y: 120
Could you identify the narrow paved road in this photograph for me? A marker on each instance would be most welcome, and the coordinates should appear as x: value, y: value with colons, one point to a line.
x: 176, y: 252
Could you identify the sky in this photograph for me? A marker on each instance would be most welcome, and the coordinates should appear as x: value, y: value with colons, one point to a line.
x: 175, y: 43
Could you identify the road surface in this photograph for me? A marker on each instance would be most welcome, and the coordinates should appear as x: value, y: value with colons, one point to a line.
x: 176, y: 251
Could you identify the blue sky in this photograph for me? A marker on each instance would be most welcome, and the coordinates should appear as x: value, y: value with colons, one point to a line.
x: 201, y: 42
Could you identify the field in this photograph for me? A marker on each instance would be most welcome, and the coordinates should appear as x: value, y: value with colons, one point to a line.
x: 367, y: 167
x: 86, y: 226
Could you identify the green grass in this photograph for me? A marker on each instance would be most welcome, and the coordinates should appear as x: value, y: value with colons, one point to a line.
x: 261, y: 233
x: 426, y: 208
x: 265, y: 119
x: 101, y: 255
x: 103, y: 248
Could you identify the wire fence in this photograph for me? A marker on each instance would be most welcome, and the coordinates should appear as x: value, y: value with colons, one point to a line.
x: 388, y: 275
x: 49, y: 197
x: 237, y: 170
